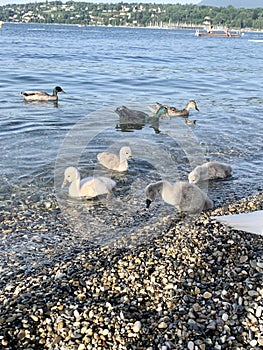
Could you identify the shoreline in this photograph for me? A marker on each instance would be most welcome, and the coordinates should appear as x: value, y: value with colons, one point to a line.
x: 196, y: 283
x: 180, y: 27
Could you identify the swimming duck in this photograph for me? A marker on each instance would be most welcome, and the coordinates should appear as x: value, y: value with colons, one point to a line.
x: 175, y: 112
x: 88, y: 187
x: 182, y: 195
x: 114, y: 162
x: 247, y: 222
x: 138, y: 117
x: 131, y: 115
x: 210, y: 171
x: 41, y: 95
x: 134, y: 119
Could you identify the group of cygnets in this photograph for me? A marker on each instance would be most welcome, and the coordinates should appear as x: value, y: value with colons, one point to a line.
x: 185, y: 196
x: 95, y: 186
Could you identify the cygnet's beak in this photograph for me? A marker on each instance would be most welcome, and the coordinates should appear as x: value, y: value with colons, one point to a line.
x: 197, y: 108
x: 65, y: 182
x: 148, y: 203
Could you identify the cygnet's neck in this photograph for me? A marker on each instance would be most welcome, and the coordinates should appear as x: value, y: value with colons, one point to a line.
x: 162, y: 185
x: 123, y: 161
x: 74, y: 188
x: 167, y: 192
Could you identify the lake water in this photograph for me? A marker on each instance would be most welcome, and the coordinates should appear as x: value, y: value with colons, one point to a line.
x: 103, y: 68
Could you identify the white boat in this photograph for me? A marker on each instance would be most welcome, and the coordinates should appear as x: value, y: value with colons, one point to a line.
x: 218, y: 34
x: 247, y: 222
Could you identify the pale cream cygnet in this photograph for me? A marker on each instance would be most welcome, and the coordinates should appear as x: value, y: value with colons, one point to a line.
x: 182, y: 195
x: 209, y: 171
x: 88, y: 187
x: 114, y: 162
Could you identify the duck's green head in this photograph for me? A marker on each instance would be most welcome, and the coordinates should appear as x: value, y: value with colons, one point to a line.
x: 161, y: 111
x: 58, y: 89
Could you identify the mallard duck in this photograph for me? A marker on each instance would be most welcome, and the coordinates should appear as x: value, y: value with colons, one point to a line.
x: 210, y: 171
x: 182, y: 195
x: 175, y: 112
x: 114, y: 162
x: 41, y: 95
x: 247, y: 222
x: 131, y: 115
x: 88, y: 187
x: 133, y: 119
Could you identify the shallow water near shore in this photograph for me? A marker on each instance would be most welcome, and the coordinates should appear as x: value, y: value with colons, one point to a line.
x: 103, y: 68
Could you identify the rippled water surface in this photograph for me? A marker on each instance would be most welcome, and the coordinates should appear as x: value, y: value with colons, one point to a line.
x: 103, y: 68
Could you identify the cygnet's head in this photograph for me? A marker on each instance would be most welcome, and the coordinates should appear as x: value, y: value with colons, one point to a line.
x: 71, y: 174
x: 194, y: 176
x: 126, y: 152
x: 151, y: 192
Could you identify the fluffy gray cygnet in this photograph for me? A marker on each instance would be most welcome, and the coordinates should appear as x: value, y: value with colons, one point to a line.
x: 182, y: 195
x: 209, y: 171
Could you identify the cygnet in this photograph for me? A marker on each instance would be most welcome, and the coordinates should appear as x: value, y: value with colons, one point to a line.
x: 209, y: 171
x: 88, y: 187
x: 182, y: 195
x: 114, y: 162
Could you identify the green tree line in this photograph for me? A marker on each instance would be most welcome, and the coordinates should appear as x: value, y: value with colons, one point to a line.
x: 136, y: 14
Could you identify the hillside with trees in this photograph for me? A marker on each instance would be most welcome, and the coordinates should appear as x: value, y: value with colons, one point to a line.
x: 235, y: 3
x: 132, y: 14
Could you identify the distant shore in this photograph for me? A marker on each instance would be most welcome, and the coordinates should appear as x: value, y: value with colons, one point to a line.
x: 179, y: 27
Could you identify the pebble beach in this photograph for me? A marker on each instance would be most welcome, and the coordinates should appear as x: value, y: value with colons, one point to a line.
x: 195, y: 285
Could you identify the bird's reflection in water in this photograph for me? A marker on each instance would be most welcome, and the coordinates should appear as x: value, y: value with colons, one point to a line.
x: 43, y: 103
x: 125, y: 127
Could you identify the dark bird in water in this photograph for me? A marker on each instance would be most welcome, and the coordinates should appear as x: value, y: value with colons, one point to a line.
x: 134, y: 119
x: 41, y: 95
